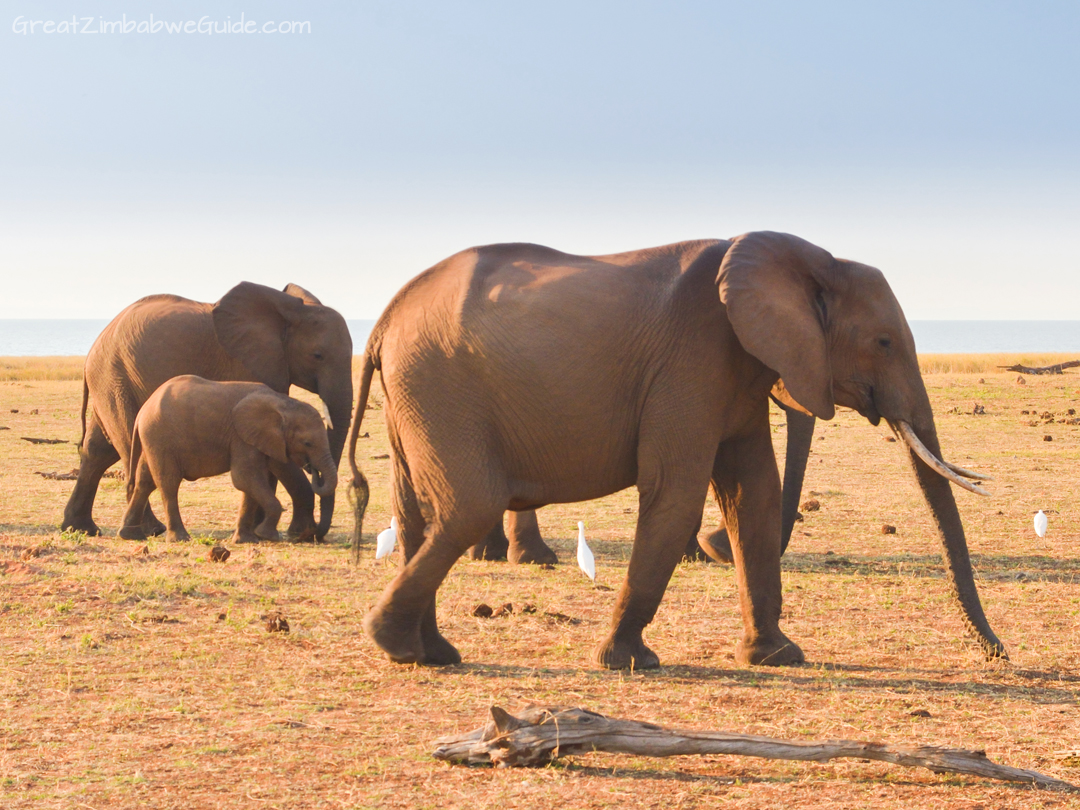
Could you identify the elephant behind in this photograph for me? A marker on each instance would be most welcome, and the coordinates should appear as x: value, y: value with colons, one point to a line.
x: 517, y: 376
x: 253, y: 334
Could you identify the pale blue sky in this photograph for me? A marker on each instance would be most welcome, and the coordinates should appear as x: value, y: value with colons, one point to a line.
x: 935, y: 140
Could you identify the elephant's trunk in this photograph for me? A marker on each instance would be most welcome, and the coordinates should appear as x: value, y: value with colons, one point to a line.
x: 800, y: 435
x: 934, y: 476
x: 337, y: 394
x: 324, y: 480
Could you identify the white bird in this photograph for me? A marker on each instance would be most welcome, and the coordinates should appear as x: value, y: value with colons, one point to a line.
x: 585, y: 559
x: 1040, y: 524
x: 387, y: 539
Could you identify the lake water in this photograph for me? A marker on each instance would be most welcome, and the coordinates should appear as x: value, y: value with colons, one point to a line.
x: 21, y: 338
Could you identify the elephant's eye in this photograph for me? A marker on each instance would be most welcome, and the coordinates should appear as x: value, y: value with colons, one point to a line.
x: 309, y: 443
x: 318, y: 355
x: 884, y: 342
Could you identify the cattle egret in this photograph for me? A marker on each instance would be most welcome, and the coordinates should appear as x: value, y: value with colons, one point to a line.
x: 585, y: 559
x: 387, y: 539
x: 1040, y: 524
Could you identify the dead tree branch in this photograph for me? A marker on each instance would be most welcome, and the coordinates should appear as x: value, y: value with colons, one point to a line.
x: 543, y: 733
x: 1058, y: 368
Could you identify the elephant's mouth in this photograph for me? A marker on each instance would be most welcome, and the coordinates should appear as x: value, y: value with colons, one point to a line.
x: 859, y: 396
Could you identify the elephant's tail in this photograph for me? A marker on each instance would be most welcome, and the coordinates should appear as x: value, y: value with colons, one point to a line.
x: 359, y: 492
x: 133, y: 464
x: 82, y: 410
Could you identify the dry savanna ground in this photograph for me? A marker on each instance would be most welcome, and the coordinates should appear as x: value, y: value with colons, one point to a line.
x: 140, y: 675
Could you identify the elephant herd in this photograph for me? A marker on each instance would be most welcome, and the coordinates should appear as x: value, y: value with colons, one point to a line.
x: 517, y: 376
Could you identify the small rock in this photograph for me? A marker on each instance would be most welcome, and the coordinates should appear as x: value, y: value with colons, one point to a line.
x: 981, y: 381
x: 14, y: 410
x: 1024, y: 413
x: 1020, y: 380
x: 811, y: 505
x: 1048, y: 438
x: 528, y: 608
x: 502, y: 610
x: 546, y: 567
x: 1071, y: 412
x: 34, y: 412
x: 219, y: 554
x: 483, y: 611
x: 276, y: 623
x: 221, y: 616
x: 887, y: 529
x: 33, y: 551
x: 830, y: 553
x: 920, y: 713
x: 977, y: 409
x: 890, y: 438
x: 364, y: 436
x: 378, y: 458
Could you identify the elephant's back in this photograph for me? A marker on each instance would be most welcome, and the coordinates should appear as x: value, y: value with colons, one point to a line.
x: 152, y: 340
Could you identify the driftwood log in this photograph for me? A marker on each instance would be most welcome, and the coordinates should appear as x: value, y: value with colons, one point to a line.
x: 1058, y: 368
x: 542, y: 733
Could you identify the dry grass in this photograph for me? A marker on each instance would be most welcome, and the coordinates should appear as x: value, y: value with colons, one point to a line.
x: 987, y: 363
x: 132, y: 680
x: 15, y: 369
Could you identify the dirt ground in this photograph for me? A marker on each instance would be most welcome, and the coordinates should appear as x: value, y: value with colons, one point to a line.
x: 142, y: 675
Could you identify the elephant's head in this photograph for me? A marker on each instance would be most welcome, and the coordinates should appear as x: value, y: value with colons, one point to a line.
x: 288, y: 338
x: 835, y: 333
x: 286, y: 429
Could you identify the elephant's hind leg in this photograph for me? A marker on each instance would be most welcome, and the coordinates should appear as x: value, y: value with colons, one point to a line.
x: 494, y: 546
x: 403, y: 621
x: 96, y: 455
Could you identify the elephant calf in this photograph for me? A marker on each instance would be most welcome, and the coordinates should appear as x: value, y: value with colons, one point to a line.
x: 192, y: 428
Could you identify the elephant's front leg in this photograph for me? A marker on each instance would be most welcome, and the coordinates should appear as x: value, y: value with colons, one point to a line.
x: 251, y: 476
x: 748, y: 486
x: 668, y: 514
x: 302, y: 526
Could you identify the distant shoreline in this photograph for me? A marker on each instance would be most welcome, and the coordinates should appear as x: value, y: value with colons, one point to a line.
x: 74, y: 337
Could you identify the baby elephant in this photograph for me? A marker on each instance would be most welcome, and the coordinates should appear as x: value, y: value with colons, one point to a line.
x: 192, y: 428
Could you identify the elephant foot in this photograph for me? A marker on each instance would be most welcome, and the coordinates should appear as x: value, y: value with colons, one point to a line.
x: 534, y: 555
x: 775, y: 651
x: 301, y: 530
x: 177, y: 537
x: 305, y: 536
x: 438, y: 652
x: 718, y: 547
x: 80, y: 524
x: 244, y: 537
x: 619, y: 654
x: 154, y: 527
x: 269, y: 533
x: 401, y: 645
x: 132, y: 533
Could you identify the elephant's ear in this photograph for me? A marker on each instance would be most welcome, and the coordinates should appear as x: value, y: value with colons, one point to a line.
x: 250, y: 322
x: 259, y: 421
x: 296, y: 291
x: 771, y: 283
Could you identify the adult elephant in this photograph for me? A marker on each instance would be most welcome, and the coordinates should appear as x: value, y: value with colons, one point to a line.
x: 254, y: 334
x: 521, y: 542
x: 517, y: 376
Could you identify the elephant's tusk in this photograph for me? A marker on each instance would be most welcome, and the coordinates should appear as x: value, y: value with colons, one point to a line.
x: 966, y: 473
x: 936, y: 464
x: 324, y: 411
